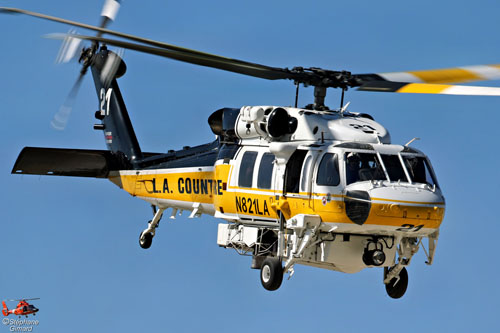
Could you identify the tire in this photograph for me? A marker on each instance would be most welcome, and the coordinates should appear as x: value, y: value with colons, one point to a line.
x: 397, y: 288
x: 271, y: 274
x: 145, y: 240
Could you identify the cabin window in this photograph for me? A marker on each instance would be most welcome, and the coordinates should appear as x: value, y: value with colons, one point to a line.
x: 246, y: 169
x: 265, y: 171
x: 328, y: 171
x: 394, y: 168
x: 293, y: 168
x: 419, y: 170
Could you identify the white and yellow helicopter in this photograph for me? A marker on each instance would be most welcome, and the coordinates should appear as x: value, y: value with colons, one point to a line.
x: 308, y: 186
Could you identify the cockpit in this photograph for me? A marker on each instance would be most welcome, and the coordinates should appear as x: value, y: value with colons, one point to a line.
x: 401, y: 167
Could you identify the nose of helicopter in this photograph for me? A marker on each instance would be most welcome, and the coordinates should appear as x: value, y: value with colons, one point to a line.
x: 423, y: 194
x: 422, y: 204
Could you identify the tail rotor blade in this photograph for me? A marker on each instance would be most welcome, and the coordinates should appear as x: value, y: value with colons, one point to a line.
x: 109, y: 12
x: 70, y: 48
x: 111, y: 67
x: 61, y: 118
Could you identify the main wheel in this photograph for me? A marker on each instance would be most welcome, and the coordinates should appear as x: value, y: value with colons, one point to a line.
x: 271, y: 274
x: 145, y: 240
x: 396, y: 288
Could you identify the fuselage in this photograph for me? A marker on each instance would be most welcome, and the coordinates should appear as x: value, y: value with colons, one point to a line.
x: 358, y: 187
x: 23, y: 308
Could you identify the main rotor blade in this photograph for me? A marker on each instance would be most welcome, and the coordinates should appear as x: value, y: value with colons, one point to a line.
x: 428, y: 88
x: 442, y: 75
x: 118, y: 34
x: 389, y: 82
x: 231, y: 65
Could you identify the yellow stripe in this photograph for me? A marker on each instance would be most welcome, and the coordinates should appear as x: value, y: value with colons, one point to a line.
x: 254, y: 189
x: 448, y: 75
x: 380, y: 199
x: 423, y: 88
x: 410, y: 202
x: 323, y: 194
x: 264, y: 205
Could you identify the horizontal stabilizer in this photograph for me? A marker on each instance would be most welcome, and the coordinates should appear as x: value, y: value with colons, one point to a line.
x: 67, y: 162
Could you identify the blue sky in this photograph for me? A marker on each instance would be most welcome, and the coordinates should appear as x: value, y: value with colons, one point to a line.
x: 73, y: 242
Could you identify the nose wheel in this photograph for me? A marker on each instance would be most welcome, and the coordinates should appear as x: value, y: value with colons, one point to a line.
x: 397, y: 286
x: 145, y: 239
x: 146, y: 236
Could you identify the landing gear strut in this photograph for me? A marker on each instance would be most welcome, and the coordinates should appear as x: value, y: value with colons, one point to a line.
x: 146, y: 236
x: 271, y: 274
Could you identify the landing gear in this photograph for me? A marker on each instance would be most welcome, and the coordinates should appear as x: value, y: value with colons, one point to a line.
x: 271, y: 274
x: 396, y: 287
x: 146, y: 236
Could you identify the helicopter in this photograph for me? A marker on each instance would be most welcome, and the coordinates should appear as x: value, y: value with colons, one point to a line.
x: 311, y: 186
x: 23, y: 308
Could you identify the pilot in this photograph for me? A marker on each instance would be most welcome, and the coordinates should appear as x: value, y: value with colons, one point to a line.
x: 352, y: 171
x: 366, y: 171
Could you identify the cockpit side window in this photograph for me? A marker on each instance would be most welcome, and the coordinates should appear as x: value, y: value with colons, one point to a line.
x: 363, y: 167
x: 305, y: 174
x: 293, y: 168
x: 246, y: 169
x: 328, y: 171
x: 394, y: 168
x: 419, y: 170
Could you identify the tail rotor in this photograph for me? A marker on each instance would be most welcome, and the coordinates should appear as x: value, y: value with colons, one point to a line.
x: 61, y: 118
x: 72, y: 48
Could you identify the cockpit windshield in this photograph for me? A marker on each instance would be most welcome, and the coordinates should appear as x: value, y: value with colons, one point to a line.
x: 363, y: 166
x: 367, y: 166
x: 394, y: 168
x: 419, y: 170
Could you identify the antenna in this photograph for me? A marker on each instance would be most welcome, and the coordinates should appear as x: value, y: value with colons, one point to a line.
x: 343, y: 108
x: 297, y: 94
x: 342, y: 99
x: 408, y: 143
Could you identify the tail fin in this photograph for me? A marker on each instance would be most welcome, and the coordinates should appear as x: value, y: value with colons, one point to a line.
x: 115, y: 122
x: 5, y: 309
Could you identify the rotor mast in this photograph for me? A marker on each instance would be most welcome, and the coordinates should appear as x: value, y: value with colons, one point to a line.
x: 319, y: 98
